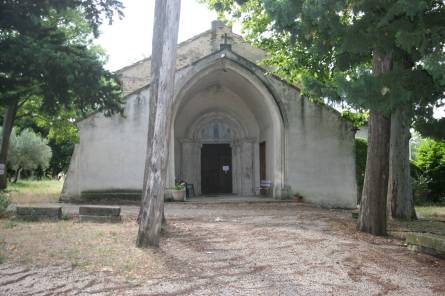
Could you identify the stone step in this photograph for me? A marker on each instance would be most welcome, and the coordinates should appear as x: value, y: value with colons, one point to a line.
x: 100, y: 219
x: 427, y: 243
x: 101, y: 211
x: 32, y: 213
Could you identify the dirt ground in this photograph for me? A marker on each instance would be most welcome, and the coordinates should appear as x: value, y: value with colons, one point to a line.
x: 215, y: 249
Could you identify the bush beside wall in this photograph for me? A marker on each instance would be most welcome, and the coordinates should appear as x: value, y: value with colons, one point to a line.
x: 430, y: 159
x: 361, y: 150
x: 4, y: 203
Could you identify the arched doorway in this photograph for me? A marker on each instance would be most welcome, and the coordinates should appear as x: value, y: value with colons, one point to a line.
x: 222, y: 103
x: 217, y: 154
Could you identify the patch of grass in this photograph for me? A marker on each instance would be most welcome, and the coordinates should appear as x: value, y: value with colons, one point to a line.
x: 76, y: 263
x: 66, y: 217
x: 25, y: 192
x: 4, y: 203
x: 421, y: 226
x: 431, y: 212
x: 88, y: 246
x: 9, y: 224
x: 2, y: 256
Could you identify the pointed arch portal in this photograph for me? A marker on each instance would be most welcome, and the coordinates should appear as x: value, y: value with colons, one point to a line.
x: 223, y: 104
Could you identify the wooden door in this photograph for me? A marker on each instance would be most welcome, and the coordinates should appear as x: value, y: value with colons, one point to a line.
x: 216, y: 169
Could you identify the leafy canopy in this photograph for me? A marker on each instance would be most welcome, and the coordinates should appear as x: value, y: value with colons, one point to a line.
x: 327, y: 47
x: 358, y: 119
x: 430, y: 158
x: 28, y: 151
x: 288, y: 59
x: 59, y: 129
x: 47, y: 59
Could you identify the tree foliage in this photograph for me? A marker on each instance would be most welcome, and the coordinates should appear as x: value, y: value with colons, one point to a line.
x: 288, y: 59
x: 385, y: 56
x: 430, y: 159
x: 361, y: 147
x: 326, y: 47
x: 60, y: 161
x: 50, y: 71
x: 4, y: 203
x: 28, y: 151
x: 46, y: 58
x: 358, y: 119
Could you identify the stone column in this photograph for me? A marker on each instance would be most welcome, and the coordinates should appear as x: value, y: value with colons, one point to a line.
x: 235, y: 168
x: 171, y: 171
x: 190, y: 168
x: 197, y: 167
x: 247, y: 168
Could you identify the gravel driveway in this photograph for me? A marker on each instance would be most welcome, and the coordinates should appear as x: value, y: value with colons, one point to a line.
x: 251, y: 249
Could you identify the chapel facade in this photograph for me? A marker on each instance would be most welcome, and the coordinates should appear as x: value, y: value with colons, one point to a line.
x: 235, y: 127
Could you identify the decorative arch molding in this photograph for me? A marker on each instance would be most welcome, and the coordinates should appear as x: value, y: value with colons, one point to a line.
x: 217, y: 126
x: 245, y: 150
x: 226, y: 60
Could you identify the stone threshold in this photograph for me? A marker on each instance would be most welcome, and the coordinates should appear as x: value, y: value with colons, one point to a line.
x: 235, y: 199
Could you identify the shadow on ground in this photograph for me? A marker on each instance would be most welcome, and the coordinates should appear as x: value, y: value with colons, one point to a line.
x: 216, y: 249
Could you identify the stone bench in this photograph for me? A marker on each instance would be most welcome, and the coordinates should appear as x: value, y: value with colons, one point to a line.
x: 35, y: 213
x: 427, y: 243
x: 100, y: 214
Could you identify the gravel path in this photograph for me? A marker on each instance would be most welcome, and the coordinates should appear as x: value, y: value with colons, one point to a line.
x: 252, y: 249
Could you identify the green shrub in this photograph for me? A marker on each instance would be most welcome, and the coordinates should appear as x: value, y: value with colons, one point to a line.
x: 416, y: 172
x: 420, y: 190
x: 430, y: 159
x: 27, y: 151
x: 4, y: 203
x: 361, y: 149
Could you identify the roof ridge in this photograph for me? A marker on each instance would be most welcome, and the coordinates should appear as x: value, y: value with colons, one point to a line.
x: 179, y: 45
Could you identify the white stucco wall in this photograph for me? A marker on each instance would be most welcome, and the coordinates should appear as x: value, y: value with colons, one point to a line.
x: 310, y: 149
x: 110, y: 155
x: 320, y: 157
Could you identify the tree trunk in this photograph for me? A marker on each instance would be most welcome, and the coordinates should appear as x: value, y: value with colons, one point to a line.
x: 156, y: 59
x: 165, y: 40
x: 373, y: 204
x: 8, y: 123
x: 400, y: 194
x: 17, y: 175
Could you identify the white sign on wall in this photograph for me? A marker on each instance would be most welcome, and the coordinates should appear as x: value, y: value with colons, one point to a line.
x: 2, y: 168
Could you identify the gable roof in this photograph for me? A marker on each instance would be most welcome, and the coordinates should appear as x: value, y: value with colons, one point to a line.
x: 137, y: 74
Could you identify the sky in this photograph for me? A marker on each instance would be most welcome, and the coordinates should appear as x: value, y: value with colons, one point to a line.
x: 129, y: 40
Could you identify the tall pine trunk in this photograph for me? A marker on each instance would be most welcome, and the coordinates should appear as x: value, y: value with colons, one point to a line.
x: 373, y: 203
x: 156, y: 59
x: 8, y: 123
x: 162, y: 89
x: 400, y: 194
